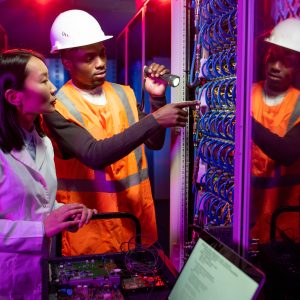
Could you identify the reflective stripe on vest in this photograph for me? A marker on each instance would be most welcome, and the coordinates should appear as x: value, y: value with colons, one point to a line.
x: 120, y: 92
x: 295, y: 115
x: 70, y: 106
x: 100, y: 183
x: 279, y: 179
x: 276, y: 181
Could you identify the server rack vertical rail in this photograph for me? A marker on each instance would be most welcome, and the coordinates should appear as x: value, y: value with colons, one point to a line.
x: 179, y: 177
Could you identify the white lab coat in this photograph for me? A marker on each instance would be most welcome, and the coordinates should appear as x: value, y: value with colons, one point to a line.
x: 27, y: 196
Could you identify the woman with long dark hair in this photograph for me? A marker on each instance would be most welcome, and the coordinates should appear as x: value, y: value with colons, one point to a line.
x: 29, y: 215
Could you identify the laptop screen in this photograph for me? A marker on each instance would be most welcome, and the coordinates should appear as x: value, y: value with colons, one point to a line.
x: 214, y: 271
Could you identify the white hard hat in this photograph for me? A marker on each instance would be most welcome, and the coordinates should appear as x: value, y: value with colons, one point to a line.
x: 75, y: 28
x: 286, y: 34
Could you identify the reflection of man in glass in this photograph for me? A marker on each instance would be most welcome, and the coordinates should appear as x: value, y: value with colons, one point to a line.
x: 276, y: 135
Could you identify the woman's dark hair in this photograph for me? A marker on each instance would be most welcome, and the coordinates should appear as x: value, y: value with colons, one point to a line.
x: 13, y: 73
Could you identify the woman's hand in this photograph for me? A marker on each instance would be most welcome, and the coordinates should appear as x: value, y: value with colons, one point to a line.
x: 86, y: 216
x: 72, y: 216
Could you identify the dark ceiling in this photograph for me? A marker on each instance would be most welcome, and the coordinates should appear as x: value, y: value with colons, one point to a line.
x: 28, y: 22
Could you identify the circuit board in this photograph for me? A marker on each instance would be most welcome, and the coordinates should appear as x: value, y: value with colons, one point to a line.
x: 86, y: 279
x: 98, y: 278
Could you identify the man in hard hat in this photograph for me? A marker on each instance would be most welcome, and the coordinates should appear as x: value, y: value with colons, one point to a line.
x: 99, y: 130
x: 276, y: 135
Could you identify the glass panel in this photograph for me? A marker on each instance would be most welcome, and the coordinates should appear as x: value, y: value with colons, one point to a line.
x: 135, y: 55
x: 158, y: 29
x: 275, y: 111
x: 158, y: 50
x: 275, y: 163
x: 121, y: 58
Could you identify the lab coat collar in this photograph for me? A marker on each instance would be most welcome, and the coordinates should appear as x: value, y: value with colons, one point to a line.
x: 24, y: 157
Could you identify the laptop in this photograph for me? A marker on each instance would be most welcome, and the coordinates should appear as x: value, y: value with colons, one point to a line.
x: 214, y: 271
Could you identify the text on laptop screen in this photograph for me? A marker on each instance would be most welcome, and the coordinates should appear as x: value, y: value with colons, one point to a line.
x: 208, y: 275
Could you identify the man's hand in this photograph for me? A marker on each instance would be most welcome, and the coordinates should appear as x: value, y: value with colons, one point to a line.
x: 172, y: 115
x: 153, y: 84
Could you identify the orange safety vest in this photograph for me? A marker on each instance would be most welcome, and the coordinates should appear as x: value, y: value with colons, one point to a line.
x: 274, y: 185
x: 123, y: 186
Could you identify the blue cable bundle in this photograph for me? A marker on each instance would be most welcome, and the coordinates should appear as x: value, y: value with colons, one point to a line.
x: 220, y: 64
x: 214, y: 129
x: 284, y: 9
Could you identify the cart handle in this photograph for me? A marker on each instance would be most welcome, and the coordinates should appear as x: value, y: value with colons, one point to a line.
x: 275, y: 215
x: 123, y: 215
x: 107, y: 215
